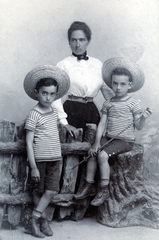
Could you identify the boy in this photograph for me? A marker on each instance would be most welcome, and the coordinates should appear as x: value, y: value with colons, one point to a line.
x: 44, y: 84
x: 123, y: 76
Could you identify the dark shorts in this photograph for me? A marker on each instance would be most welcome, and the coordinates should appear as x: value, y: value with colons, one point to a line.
x: 116, y: 146
x: 49, y: 176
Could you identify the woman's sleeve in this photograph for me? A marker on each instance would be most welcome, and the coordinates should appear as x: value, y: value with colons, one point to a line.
x: 107, y: 92
x: 61, y: 113
x: 61, y: 65
x: 58, y: 104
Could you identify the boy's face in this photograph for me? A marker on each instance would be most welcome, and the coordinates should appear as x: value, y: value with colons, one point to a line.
x: 78, y: 42
x: 120, y: 85
x: 46, y: 95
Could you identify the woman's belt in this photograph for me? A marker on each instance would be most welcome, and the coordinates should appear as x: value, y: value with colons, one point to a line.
x: 80, y: 99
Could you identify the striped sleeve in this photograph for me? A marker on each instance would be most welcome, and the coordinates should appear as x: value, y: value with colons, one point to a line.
x: 136, y: 108
x: 31, y: 120
x: 106, y: 106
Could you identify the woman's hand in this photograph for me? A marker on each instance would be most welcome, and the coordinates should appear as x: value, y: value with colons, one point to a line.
x: 72, y: 130
x: 35, y: 174
x: 93, y: 151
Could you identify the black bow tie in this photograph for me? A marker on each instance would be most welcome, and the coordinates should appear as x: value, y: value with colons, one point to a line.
x: 82, y: 56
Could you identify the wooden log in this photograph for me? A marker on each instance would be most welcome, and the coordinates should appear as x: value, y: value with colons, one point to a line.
x: 18, y: 176
x: 21, y: 198
x: 129, y: 203
x: 26, y: 219
x: 90, y: 133
x: 14, y: 215
x: 67, y: 148
x: 25, y: 198
x: 70, y: 175
x: 82, y: 205
x: 6, y: 134
x: 7, y: 131
x: 19, y: 146
x: 1, y: 214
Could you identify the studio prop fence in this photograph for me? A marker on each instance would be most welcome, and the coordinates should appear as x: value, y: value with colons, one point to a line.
x: 129, y: 204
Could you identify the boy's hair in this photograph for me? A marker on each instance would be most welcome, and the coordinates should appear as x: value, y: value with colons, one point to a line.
x: 79, y: 26
x: 122, y: 71
x: 46, y: 82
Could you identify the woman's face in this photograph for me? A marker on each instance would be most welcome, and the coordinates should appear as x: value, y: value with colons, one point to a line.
x: 78, y: 42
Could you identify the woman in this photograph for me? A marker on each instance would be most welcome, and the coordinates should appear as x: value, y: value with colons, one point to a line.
x: 85, y: 81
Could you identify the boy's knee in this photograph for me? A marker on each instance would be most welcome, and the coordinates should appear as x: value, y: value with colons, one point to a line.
x: 102, y: 157
x: 50, y: 194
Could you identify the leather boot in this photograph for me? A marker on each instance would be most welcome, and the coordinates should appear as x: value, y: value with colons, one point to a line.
x: 102, y: 195
x: 45, y: 228
x: 87, y: 190
x: 35, y: 228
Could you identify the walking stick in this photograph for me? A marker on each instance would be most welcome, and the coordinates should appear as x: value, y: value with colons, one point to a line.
x: 110, y: 140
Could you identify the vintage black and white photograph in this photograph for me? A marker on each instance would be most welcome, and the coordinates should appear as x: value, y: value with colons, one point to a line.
x: 79, y: 132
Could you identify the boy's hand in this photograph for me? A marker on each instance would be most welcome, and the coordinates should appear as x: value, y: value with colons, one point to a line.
x: 94, y: 150
x: 147, y: 113
x: 35, y: 175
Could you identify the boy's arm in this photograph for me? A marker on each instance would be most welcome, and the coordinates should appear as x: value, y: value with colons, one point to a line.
x: 30, y: 153
x: 100, y: 130
x: 139, y: 124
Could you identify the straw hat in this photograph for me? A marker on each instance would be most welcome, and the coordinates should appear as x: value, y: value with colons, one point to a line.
x: 121, y: 62
x: 46, y: 71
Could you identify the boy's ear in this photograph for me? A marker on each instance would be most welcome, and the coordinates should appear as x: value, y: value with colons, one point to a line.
x: 130, y: 85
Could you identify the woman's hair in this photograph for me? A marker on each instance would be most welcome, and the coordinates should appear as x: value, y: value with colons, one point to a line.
x: 46, y: 82
x: 122, y: 71
x: 79, y: 26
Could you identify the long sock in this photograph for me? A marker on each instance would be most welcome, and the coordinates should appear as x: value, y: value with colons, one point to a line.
x: 104, y: 182
x: 36, y: 213
x: 89, y: 181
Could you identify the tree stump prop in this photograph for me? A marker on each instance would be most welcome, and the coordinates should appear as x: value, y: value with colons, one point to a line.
x: 130, y: 203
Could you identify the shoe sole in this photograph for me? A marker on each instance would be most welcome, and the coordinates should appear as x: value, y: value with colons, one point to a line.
x: 97, y: 205
x: 88, y: 195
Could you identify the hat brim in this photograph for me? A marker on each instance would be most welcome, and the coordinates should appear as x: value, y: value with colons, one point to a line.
x: 121, y: 62
x: 46, y: 71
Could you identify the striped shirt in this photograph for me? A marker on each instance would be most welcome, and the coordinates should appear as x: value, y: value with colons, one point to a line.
x: 46, y: 144
x: 120, y: 114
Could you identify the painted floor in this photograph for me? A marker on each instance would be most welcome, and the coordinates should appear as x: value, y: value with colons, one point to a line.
x: 87, y: 229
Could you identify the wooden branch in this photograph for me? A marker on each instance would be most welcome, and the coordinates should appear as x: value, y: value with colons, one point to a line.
x: 67, y: 148
x: 63, y: 200
x: 21, y: 198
